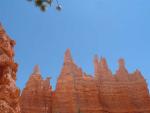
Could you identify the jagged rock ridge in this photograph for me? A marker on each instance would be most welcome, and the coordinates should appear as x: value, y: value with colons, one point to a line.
x: 9, y: 93
x: 77, y: 92
x: 37, y: 95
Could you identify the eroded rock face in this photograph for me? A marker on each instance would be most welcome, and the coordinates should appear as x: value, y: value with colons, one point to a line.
x: 77, y: 92
x: 125, y: 92
x: 9, y: 93
x: 36, y: 96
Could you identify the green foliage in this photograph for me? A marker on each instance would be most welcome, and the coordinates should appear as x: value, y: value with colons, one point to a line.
x: 43, y: 4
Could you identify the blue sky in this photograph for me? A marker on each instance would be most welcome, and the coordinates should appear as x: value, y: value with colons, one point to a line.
x: 109, y: 28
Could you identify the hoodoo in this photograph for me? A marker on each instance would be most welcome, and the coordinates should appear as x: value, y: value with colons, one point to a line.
x: 37, y: 95
x: 77, y: 92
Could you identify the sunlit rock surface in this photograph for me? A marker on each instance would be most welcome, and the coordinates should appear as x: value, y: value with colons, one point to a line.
x: 37, y: 95
x: 77, y: 92
x: 9, y: 93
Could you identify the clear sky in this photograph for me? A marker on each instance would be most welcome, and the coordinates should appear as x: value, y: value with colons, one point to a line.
x: 109, y: 28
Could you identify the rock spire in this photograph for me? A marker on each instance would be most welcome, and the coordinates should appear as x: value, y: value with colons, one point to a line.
x: 68, y: 57
x: 36, y: 97
x: 36, y: 70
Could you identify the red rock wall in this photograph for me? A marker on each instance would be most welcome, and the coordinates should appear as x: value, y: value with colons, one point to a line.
x: 36, y: 96
x: 9, y: 93
x: 77, y: 92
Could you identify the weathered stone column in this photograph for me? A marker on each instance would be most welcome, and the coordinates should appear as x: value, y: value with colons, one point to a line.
x: 9, y: 93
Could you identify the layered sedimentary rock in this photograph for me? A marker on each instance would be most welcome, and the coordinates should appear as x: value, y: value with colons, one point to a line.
x: 9, y: 93
x: 123, y: 92
x: 77, y: 92
x: 36, y: 96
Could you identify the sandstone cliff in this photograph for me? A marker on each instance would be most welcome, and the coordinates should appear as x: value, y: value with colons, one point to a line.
x: 77, y: 92
x: 36, y: 96
x: 9, y: 93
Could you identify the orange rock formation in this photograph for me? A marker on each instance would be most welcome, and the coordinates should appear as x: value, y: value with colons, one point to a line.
x: 37, y: 95
x: 9, y: 93
x: 77, y: 92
